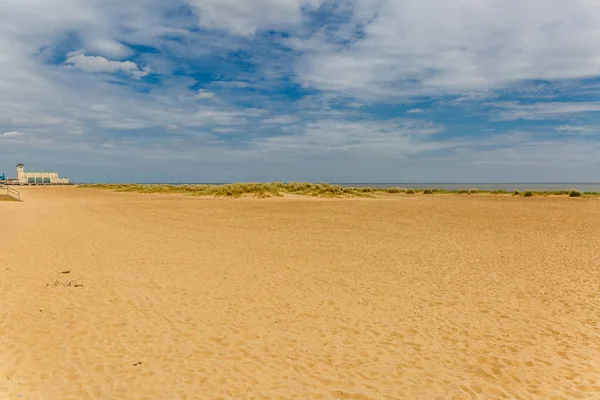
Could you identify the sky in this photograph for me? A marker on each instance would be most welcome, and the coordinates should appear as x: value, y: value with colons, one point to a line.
x: 301, y: 90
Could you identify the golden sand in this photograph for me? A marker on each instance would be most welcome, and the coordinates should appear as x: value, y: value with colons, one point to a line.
x: 132, y: 296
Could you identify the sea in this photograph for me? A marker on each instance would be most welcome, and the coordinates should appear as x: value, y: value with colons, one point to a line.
x: 582, y: 187
x: 521, y: 186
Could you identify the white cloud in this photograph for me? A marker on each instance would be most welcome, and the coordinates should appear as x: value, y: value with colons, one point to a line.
x: 578, y: 129
x: 254, y: 112
x: 509, y: 111
x: 427, y: 46
x: 396, y: 138
x: 108, y: 47
x: 280, y: 120
x: 415, y: 111
x: 11, y: 134
x: 558, y: 155
x: 233, y: 84
x: 225, y: 130
x: 204, y: 94
x: 100, y: 64
x: 243, y: 17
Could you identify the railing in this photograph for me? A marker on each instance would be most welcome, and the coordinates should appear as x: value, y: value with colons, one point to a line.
x: 11, y: 192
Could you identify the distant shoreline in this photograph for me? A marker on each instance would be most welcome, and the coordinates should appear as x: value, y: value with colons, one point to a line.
x: 323, y: 190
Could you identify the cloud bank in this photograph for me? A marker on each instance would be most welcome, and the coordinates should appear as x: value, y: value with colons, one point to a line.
x: 376, y: 90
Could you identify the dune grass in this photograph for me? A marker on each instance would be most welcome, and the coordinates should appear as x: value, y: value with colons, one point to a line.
x: 260, y: 190
x: 275, y: 189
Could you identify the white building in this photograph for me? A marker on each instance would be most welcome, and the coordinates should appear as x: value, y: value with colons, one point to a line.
x: 38, y: 178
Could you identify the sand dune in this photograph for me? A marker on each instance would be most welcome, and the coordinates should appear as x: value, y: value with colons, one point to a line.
x: 129, y: 296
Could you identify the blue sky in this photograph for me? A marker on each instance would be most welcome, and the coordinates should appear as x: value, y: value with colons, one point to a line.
x: 319, y: 90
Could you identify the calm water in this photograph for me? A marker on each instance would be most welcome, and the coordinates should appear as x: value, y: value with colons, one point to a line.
x: 583, y: 187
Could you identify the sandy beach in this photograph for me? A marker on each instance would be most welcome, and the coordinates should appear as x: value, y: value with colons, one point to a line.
x: 108, y: 295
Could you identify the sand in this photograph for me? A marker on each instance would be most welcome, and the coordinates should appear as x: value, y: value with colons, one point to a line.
x: 109, y: 295
x: 4, y: 197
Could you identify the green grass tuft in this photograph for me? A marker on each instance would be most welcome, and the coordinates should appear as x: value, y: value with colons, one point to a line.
x: 394, y: 190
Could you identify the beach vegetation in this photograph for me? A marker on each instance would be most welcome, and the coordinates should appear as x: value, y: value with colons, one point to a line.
x: 394, y: 190
x: 277, y: 189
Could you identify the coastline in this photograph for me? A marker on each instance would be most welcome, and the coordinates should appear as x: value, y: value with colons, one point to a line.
x: 270, y: 189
